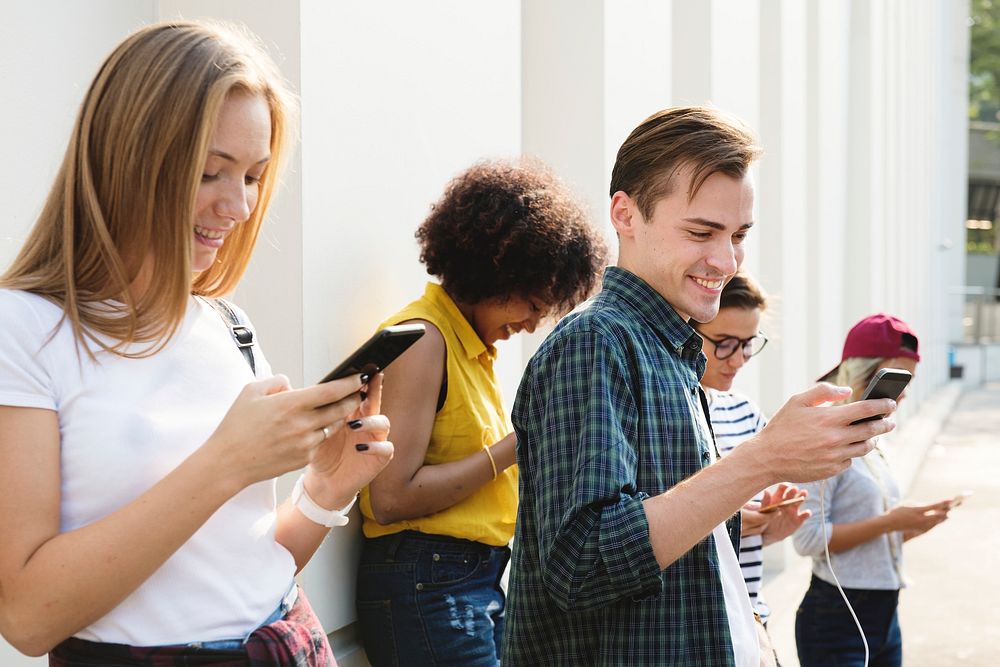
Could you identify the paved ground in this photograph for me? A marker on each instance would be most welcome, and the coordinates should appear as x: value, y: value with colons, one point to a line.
x: 950, y: 614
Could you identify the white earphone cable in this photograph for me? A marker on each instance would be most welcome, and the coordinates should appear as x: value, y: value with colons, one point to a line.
x: 829, y: 564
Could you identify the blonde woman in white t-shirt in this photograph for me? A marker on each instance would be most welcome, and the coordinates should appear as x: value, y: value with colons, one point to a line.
x: 137, y: 495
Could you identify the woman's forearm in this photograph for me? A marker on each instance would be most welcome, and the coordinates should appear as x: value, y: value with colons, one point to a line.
x: 300, y: 536
x: 844, y: 536
x: 75, y: 578
x: 437, y: 487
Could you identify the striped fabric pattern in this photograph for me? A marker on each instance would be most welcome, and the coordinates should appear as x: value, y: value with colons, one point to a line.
x: 609, y: 412
x: 734, y: 419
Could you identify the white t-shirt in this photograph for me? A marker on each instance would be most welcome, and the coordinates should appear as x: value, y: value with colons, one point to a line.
x: 742, y: 625
x: 126, y: 423
x: 734, y: 419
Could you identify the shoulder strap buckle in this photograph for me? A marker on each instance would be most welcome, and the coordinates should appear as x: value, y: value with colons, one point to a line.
x: 240, y: 332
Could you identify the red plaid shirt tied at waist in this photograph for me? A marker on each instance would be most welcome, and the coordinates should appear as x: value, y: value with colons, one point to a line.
x: 298, y: 640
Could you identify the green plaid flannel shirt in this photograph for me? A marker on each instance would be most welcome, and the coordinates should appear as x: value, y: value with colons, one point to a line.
x: 610, y: 412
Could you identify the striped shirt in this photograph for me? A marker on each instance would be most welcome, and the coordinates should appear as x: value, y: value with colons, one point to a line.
x: 734, y: 419
x: 609, y: 413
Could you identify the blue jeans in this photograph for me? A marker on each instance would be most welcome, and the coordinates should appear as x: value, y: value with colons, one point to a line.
x: 825, y: 633
x: 431, y: 600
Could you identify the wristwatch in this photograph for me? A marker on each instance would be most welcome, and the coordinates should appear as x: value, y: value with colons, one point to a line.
x: 315, y: 513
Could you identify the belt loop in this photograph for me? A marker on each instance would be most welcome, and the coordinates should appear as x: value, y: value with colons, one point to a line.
x: 392, y: 544
x: 291, y: 597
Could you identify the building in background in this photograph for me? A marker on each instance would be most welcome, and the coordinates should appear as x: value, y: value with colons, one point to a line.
x: 977, y: 356
x: 861, y: 106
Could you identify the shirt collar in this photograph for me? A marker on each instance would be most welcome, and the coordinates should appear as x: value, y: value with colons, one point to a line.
x: 654, y: 309
x: 472, y: 344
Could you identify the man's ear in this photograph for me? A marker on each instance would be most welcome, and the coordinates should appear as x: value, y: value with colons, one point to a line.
x: 624, y: 214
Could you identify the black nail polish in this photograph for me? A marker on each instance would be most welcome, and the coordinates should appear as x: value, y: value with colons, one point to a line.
x: 364, y: 395
x: 355, y: 424
x: 361, y: 447
x: 365, y: 377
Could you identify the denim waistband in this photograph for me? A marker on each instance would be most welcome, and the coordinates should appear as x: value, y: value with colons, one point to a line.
x: 409, y: 543
x: 284, y: 606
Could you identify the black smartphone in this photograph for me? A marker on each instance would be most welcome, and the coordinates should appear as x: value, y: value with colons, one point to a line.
x: 378, y: 351
x: 887, y: 383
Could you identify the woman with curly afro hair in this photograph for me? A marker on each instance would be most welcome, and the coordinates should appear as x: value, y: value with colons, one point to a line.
x: 511, y: 247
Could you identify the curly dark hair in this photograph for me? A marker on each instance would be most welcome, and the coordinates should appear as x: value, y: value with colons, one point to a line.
x: 512, y: 229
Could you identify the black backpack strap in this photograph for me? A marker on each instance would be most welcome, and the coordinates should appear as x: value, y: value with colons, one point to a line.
x: 241, y: 333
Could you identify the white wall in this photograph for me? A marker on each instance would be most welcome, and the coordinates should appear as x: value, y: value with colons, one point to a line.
x: 859, y: 106
x: 46, y: 66
x: 397, y: 98
x: 783, y: 203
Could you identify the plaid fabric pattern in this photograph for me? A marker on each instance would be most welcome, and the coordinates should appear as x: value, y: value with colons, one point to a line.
x: 298, y: 640
x: 610, y: 412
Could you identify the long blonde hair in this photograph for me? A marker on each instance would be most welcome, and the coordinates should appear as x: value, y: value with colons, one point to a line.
x: 126, y: 190
x: 856, y: 373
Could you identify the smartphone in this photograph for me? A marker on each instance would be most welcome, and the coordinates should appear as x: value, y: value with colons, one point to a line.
x: 887, y: 383
x: 959, y: 499
x: 784, y: 503
x: 378, y: 351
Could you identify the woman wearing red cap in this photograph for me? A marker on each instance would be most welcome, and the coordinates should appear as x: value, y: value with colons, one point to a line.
x: 864, y: 525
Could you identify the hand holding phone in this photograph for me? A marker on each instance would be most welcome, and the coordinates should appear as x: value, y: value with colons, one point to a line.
x: 378, y: 351
x: 887, y: 383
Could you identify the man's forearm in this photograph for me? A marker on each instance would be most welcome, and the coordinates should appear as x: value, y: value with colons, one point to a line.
x: 685, y: 514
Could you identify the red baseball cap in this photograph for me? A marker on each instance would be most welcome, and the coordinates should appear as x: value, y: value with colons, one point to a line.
x: 878, y: 335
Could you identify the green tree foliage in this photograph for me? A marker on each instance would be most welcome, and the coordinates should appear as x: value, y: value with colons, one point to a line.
x: 984, y: 64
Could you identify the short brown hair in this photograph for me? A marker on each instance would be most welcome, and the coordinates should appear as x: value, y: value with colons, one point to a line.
x: 742, y: 291
x: 700, y: 137
x: 512, y: 229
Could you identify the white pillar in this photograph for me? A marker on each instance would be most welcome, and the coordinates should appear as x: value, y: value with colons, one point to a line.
x: 782, y: 208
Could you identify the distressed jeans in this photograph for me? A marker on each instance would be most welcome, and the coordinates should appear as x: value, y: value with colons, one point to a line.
x: 431, y: 600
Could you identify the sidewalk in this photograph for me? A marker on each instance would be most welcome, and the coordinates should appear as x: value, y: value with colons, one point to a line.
x: 948, y: 614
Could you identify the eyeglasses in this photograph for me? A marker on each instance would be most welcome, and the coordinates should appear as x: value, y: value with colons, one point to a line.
x: 726, y: 347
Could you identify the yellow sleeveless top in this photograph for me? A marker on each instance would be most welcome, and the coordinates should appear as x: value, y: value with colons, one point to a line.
x: 472, y: 416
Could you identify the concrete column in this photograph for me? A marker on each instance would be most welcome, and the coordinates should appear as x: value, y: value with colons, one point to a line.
x: 782, y: 266
x: 638, y: 39
x: 691, y: 60
x: 562, y: 73
x: 827, y: 91
x: 863, y: 277
x: 563, y: 106
x: 735, y: 77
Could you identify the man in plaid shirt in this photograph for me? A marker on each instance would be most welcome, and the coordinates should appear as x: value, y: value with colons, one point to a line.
x: 621, y: 554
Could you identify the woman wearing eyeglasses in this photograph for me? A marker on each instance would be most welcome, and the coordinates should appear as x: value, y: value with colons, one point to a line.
x: 729, y: 341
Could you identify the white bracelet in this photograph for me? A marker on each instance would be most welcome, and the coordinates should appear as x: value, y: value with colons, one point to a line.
x: 315, y: 513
